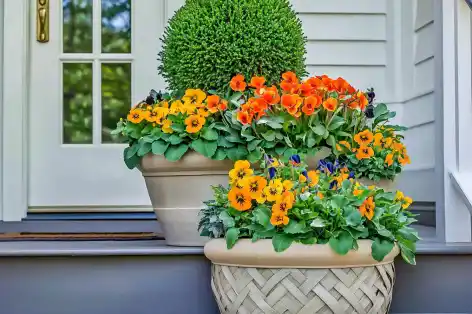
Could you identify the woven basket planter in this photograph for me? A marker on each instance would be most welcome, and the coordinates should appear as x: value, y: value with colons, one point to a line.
x: 252, y: 278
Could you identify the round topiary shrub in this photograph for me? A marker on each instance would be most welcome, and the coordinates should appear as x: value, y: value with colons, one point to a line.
x: 207, y: 42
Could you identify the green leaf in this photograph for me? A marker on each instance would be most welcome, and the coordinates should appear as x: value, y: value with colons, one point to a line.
x: 205, y: 148
x: 177, y: 127
x: 262, y: 215
x: 409, y: 234
x: 280, y: 150
x: 331, y: 141
x: 379, y: 110
x: 408, y: 254
x: 353, y: 216
x: 269, y: 136
x: 131, y: 151
x: 387, y: 196
x: 144, y: 148
x: 281, y: 242
x: 174, y: 139
x: 132, y: 161
x: 232, y: 236
x: 237, y: 153
x: 156, y: 133
x: 317, y: 223
x: 309, y: 241
x: 254, y: 156
x: 342, y: 243
x: 234, y: 138
x: 252, y: 145
x: 221, y: 126
x: 174, y: 153
x: 159, y: 147
x: 227, y: 220
x: 209, y: 134
x: 310, y: 140
x: 336, y: 122
x: 147, y: 129
x: 293, y: 227
x: 339, y: 201
x: 219, y: 155
x: 319, y: 129
x: 223, y: 142
x: 381, y: 248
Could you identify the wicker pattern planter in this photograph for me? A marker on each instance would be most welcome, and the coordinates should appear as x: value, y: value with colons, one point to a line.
x: 318, y: 288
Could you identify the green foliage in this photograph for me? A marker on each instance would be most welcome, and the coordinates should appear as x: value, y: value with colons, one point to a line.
x: 207, y: 42
x: 324, y: 207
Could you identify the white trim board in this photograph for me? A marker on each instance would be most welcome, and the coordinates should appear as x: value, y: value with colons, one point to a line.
x: 13, y: 206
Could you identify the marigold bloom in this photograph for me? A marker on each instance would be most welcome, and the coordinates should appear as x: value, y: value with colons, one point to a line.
x: 367, y: 208
x: 194, y: 123
x: 136, y: 115
x: 257, y: 82
x: 279, y: 218
x: 255, y: 185
x: 364, y: 138
x: 364, y: 152
x: 240, y: 199
x: 237, y: 83
x: 167, y: 126
x: 274, y: 190
x: 194, y: 97
x: 330, y: 104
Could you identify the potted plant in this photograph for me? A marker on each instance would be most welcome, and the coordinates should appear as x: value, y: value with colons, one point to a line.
x: 179, y: 163
x: 298, y: 241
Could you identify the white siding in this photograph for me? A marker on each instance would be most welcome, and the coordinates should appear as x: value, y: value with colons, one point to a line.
x: 418, y: 77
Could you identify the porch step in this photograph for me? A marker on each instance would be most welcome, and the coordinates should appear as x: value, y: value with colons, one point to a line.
x: 141, y: 277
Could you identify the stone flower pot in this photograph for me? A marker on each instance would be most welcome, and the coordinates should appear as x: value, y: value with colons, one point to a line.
x: 178, y: 189
x: 253, y: 278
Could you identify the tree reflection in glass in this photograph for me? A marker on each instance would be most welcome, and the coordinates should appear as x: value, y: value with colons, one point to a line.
x: 116, y: 26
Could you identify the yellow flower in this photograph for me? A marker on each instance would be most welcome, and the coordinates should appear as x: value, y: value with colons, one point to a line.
x: 203, y: 112
x: 398, y: 147
x: 288, y: 185
x: 343, y: 144
x: 240, y: 199
x: 189, y: 109
x: 194, y: 97
x: 262, y: 198
x: 313, y: 177
x: 404, y: 160
x: 302, y: 178
x: 166, y: 126
x: 388, y: 142
x: 378, y: 139
x: 364, y: 138
x: 194, y: 123
x: 136, y: 115
x: 283, y: 205
x: 241, y: 170
x: 364, y: 152
x: 399, y: 196
x: 357, y: 190
x: 279, y: 218
x: 164, y: 104
x: 406, y: 202
x: 255, y: 186
x: 177, y: 107
x: 274, y: 190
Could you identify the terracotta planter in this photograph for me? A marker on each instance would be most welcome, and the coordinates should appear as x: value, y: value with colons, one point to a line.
x: 178, y: 189
x: 253, y: 278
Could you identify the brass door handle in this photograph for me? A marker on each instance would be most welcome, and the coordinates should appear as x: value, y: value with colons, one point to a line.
x: 42, y: 21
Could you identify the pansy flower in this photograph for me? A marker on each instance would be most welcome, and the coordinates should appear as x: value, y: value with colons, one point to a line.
x: 367, y: 208
x: 240, y: 198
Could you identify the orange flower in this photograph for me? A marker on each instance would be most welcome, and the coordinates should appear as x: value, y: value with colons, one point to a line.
x: 330, y: 104
x: 310, y: 104
x: 313, y: 177
x: 194, y: 123
x: 315, y: 82
x: 289, y: 83
x: 283, y: 205
x: 378, y: 139
x: 223, y: 105
x: 136, y: 116
x: 343, y: 144
x: 244, y: 117
x: 291, y: 102
x: 353, y: 104
x: 403, y: 160
x: 363, y: 101
x: 237, y: 83
x: 389, y: 159
x: 302, y: 178
x: 320, y: 195
x: 279, y: 218
x: 367, y: 208
x: 290, y: 77
x: 257, y: 82
x: 240, y: 198
x: 212, y: 103
x: 364, y: 138
x: 288, y: 185
x: 271, y: 95
x: 364, y: 152
x: 340, y: 85
x: 255, y: 185
x: 259, y: 106
x: 305, y: 89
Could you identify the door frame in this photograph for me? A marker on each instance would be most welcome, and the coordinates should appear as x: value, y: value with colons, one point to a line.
x: 14, y: 120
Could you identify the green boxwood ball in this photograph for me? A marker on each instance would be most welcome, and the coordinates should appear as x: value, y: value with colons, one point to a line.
x: 207, y: 42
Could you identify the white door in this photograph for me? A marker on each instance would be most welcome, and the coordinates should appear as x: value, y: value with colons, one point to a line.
x: 100, y: 59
